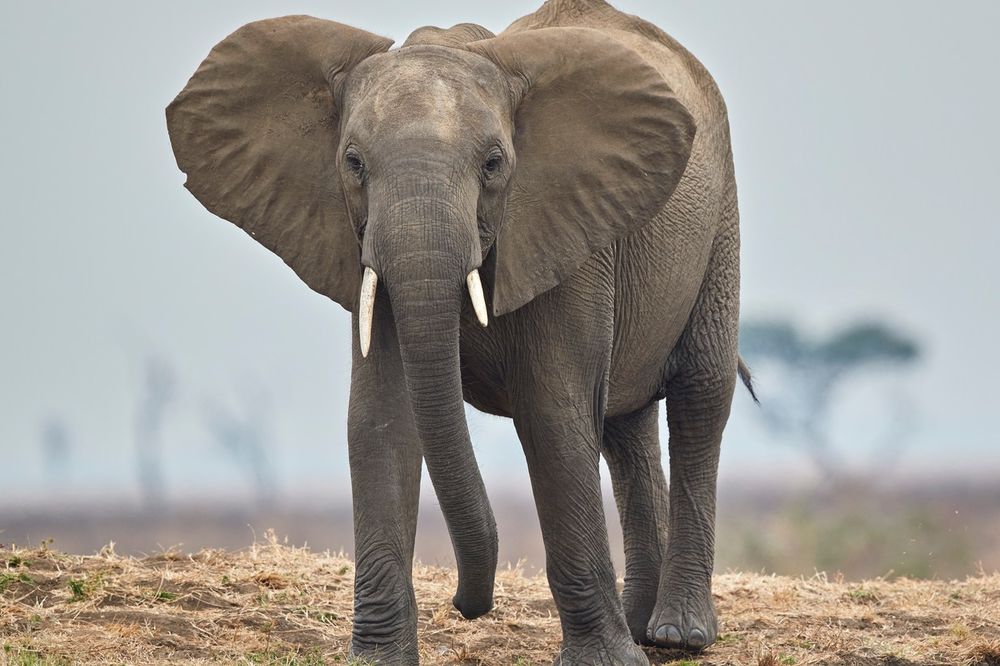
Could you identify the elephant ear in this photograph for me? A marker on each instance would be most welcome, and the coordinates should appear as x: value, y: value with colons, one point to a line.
x: 600, y: 141
x: 256, y: 131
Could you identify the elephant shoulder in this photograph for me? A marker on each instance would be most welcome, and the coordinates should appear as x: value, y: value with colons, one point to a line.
x: 682, y: 71
x: 568, y: 13
x: 596, y: 14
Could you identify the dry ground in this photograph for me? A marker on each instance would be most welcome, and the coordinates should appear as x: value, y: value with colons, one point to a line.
x: 274, y: 604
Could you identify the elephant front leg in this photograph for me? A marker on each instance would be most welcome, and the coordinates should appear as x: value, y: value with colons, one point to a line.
x: 385, y: 462
x: 562, y: 449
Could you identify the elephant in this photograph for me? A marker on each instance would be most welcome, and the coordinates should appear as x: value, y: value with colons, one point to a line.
x: 542, y: 223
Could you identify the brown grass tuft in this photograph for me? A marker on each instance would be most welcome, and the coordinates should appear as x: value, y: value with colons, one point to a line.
x: 768, y: 659
x: 278, y: 605
x: 984, y: 654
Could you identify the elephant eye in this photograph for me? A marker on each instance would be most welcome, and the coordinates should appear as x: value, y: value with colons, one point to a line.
x: 492, y: 165
x: 355, y: 164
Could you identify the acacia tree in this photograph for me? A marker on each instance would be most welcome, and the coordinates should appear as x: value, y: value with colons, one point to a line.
x: 242, y: 434
x: 812, y: 371
x: 56, y: 448
x: 156, y: 395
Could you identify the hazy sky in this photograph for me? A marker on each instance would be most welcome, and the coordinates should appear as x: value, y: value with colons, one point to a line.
x: 866, y: 143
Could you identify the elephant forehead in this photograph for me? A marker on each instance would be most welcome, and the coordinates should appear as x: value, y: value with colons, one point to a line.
x: 432, y: 92
x: 430, y: 102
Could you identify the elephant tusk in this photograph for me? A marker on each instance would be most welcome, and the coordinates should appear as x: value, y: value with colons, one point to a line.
x: 368, y: 284
x: 476, y: 294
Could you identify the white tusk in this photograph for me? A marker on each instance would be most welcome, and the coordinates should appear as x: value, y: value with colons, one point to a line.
x: 368, y: 284
x: 476, y: 294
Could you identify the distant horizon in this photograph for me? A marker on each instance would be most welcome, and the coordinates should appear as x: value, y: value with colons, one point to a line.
x: 797, y: 480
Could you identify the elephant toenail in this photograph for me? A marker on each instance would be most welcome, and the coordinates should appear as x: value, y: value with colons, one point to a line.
x: 696, y: 639
x: 667, y: 634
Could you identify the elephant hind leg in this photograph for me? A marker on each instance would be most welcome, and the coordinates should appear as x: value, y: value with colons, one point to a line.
x: 699, y: 392
x: 684, y: 614
x: 631, y: 447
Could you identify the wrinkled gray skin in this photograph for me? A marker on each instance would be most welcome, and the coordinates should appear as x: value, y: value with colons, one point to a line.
x: 430, y: 140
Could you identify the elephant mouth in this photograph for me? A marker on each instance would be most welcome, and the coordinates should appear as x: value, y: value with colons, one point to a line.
x: 369, y: 288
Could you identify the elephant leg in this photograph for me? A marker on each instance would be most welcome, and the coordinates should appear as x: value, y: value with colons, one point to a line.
x: 562, y: 449
x: 684, y: 616
x: 385, y: 460
x: 631, y: 448
x: 699, y: 392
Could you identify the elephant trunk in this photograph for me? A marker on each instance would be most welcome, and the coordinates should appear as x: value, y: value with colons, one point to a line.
x: 426, y: 280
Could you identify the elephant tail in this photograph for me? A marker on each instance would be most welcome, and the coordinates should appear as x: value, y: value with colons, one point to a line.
x: 744, y: 372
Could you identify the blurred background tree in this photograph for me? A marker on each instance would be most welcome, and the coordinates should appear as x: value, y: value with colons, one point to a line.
x: 851, y: 520
x: 803, y: 377
x: 157, y: 393
x: 242, y: 434
x: 57, y: 451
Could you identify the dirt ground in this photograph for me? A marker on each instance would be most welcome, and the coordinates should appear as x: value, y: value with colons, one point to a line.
x: 275, y: 604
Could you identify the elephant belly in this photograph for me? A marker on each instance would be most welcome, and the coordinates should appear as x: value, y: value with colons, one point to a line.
x: 657, y: 274
x: 660, y: 270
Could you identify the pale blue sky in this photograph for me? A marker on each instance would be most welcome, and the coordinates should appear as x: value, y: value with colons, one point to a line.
x: 866, y: 145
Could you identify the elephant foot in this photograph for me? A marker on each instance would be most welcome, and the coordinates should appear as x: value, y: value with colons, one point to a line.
x: 638, y: 608
x: 600, y: 653
x: 384, y: 656
x: 385, y: 639
x: 683, y: 620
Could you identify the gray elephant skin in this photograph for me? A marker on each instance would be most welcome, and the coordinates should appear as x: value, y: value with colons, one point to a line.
x: 541, y: 223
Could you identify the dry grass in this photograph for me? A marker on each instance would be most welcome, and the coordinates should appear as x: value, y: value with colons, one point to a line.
x: 277, y: 605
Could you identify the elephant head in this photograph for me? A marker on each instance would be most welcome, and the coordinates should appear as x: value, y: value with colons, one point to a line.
x: 400, y: 172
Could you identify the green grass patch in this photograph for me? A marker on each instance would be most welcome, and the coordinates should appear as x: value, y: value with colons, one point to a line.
x: 7, y: 578
x: 862, y: 595
x: 15, y: 561
x: 78, y: 589
x: 20, y: 656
